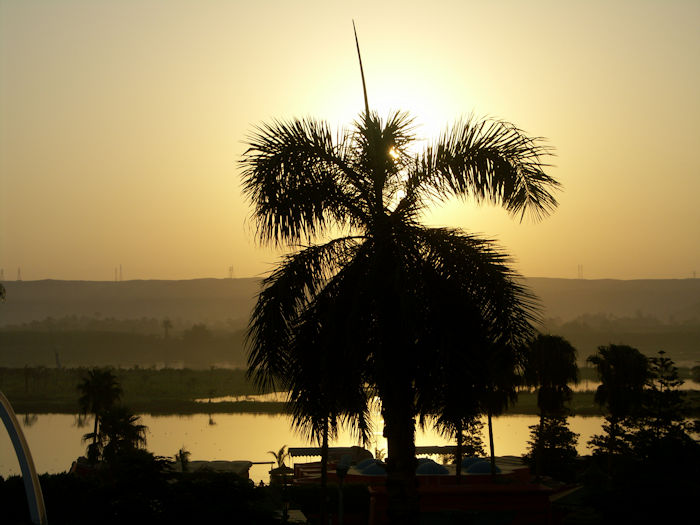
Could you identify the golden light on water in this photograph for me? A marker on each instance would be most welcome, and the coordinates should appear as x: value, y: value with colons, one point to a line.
x: 56, y: 442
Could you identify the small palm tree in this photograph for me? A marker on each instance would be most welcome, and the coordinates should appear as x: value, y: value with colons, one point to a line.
x: 280, y: 456
x: 183, y: 458
x: 99, y: 391
x: 498, y: 388
x: 167, y: 326
x: 456, y: 401
x: 623, y: 372
x: 121, y: 432
x: 551, y: 367
x: 320, y: 402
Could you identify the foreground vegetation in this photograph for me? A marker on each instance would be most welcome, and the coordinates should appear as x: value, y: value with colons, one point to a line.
x: 141, y: 491
x: 644, y: 453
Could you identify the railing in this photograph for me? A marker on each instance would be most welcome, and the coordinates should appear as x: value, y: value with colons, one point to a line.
x: 35, y: 499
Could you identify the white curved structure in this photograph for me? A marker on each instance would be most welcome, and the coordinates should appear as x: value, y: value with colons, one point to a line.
x: 35, y: 499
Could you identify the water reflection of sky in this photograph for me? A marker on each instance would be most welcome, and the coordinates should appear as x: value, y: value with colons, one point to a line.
x: 272, y: 396
x: 55, y: 440
x: 582, y: 386
x: 585, y: 385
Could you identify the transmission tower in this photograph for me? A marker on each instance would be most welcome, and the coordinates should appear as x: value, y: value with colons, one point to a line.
x: 230, y: 272
x: 19, y: 274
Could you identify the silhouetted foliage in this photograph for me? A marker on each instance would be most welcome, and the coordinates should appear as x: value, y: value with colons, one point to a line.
x: 120, y: 433
x: 280, y: 456
x: 695, y: 374
x: 551, y: 367
x: 141, y: 489
x: 656, y: 479
x: 655, y: 456
x: 198, y: 334
x: 469, y: 444
x: 99, y: 391
x: 374, y: 298
x: 661, y: 432
x: 623, y: 372
x: 556, y: 444
x: 122, y: 342
x: 116, y: 430
x: 182, y: 457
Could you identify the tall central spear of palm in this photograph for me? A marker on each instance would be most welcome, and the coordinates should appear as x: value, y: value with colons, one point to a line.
x: 362, y: 71
x: 369, y: 299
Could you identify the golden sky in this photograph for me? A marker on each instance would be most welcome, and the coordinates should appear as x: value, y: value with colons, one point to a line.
x: 122, y: 122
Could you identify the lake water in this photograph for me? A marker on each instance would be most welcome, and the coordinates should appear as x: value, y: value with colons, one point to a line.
x: 55, y: 439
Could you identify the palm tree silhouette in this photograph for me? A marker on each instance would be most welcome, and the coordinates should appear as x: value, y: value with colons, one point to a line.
x: 99, y: 391
x: 551, y: 367
x: 167, y: 326
x: 623, y: 372
x: 373, y: 297
x: 280, y: 456
x: 319, y: 402
x: 120, y: 432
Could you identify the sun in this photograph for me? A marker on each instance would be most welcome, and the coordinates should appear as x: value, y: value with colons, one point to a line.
x: 433, y: 105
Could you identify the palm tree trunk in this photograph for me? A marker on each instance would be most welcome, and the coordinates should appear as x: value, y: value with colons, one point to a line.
x: 493, y: 454
x: 94, y: 430
x: 401, y: 483
x: 539, y: 448
x: 458, y: 456
x: 611, y: 447
x: 324, y: 472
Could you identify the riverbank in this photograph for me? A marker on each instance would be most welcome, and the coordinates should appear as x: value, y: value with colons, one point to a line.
x: 582, y: 405
x: 39, y: 390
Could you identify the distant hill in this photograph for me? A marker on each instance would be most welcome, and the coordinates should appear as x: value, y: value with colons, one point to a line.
x: 196, y: 300
x: 121, y: 322
x: 665, y: 299
x: 217, y: 300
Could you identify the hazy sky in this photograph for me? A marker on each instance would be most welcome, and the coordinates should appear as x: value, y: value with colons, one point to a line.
x: 122, y: 123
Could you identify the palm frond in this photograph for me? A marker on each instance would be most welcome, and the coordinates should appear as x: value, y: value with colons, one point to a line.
x: 299, y: 182
x: 331, y: 391
x: 378, y: 144
x: 284, y: 296
x: 478, y: 320
x: 494, y: 161
x: 478, y: 274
